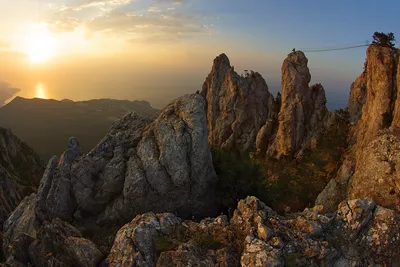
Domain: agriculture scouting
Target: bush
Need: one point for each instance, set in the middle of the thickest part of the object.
(206, 241)
(239, 177)
(384, 39)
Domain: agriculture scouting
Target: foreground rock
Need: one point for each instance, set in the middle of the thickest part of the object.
(369, 167)
(20, 172)
(359, 233)
(237, 106)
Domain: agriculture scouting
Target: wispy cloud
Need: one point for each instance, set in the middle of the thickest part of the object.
(155, 26)
(6, 92)
(156, 23)
(175, 2)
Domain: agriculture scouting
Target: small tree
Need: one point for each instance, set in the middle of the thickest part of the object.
(383, 39)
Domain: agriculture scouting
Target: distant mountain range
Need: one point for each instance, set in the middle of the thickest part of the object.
(47, 124)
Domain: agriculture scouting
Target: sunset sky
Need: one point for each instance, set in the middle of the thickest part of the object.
(158, 50)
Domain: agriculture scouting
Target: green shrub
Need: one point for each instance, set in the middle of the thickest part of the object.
(206, 241)
(163, 243)
(239, 177)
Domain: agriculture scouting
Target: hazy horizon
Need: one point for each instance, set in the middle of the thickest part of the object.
(159, 50)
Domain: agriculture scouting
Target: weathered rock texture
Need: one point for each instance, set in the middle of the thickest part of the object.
(237, 106)
(359, 233)
(369, 168)
(302, 110)
(139, 166)
(20, 172)
(243, 115)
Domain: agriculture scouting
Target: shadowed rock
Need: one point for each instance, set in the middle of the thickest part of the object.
(140, 166)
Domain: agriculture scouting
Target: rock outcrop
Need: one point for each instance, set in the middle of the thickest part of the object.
(140, 166)
(20, 172)
(369, 167)
(257, 236)
(359, 233)
(302, 111)
(163, 165)
(242, 114)
(237, 106)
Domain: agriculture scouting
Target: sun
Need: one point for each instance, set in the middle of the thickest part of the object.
(40, 45)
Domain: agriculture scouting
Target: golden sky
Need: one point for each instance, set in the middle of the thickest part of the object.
(157, 50)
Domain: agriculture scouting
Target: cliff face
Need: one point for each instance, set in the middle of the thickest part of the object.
(20, 172)
(369, 168)
(302, 111)
(243, 115)
(237, 107)
(381, 109)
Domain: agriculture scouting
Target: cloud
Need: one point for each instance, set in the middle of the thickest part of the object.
(156, 23)
(175, 2)
(154, 26)
(93, 3)
(6, 92)
(154, 9)
(64, 24)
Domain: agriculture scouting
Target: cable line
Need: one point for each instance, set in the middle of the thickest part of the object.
(335, 46)
(325, 49)
(333, 49)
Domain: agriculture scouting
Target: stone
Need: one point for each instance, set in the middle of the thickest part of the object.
(20, 172)
(237, 107)
(21, 223)
(141, 165)
(302, 110)
(60, 242)
(369, 166)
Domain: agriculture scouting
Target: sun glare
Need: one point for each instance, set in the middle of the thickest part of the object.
(40, 91)
(40, 44)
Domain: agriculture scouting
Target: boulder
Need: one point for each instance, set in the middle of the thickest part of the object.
(19, 225)
(59, 242)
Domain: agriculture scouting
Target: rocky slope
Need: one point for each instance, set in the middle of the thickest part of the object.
(243, 115)
(20, 172)
(359, 233)
(369, 167)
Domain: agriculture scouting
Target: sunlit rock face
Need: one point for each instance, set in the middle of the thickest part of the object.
(243, 115)
(302, 110)
(237, 106)
(369, 168)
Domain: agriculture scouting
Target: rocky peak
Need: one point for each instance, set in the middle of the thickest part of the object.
(237, 106)
(140, 166)
(378, 88)
(369, 167)
(302, 109)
